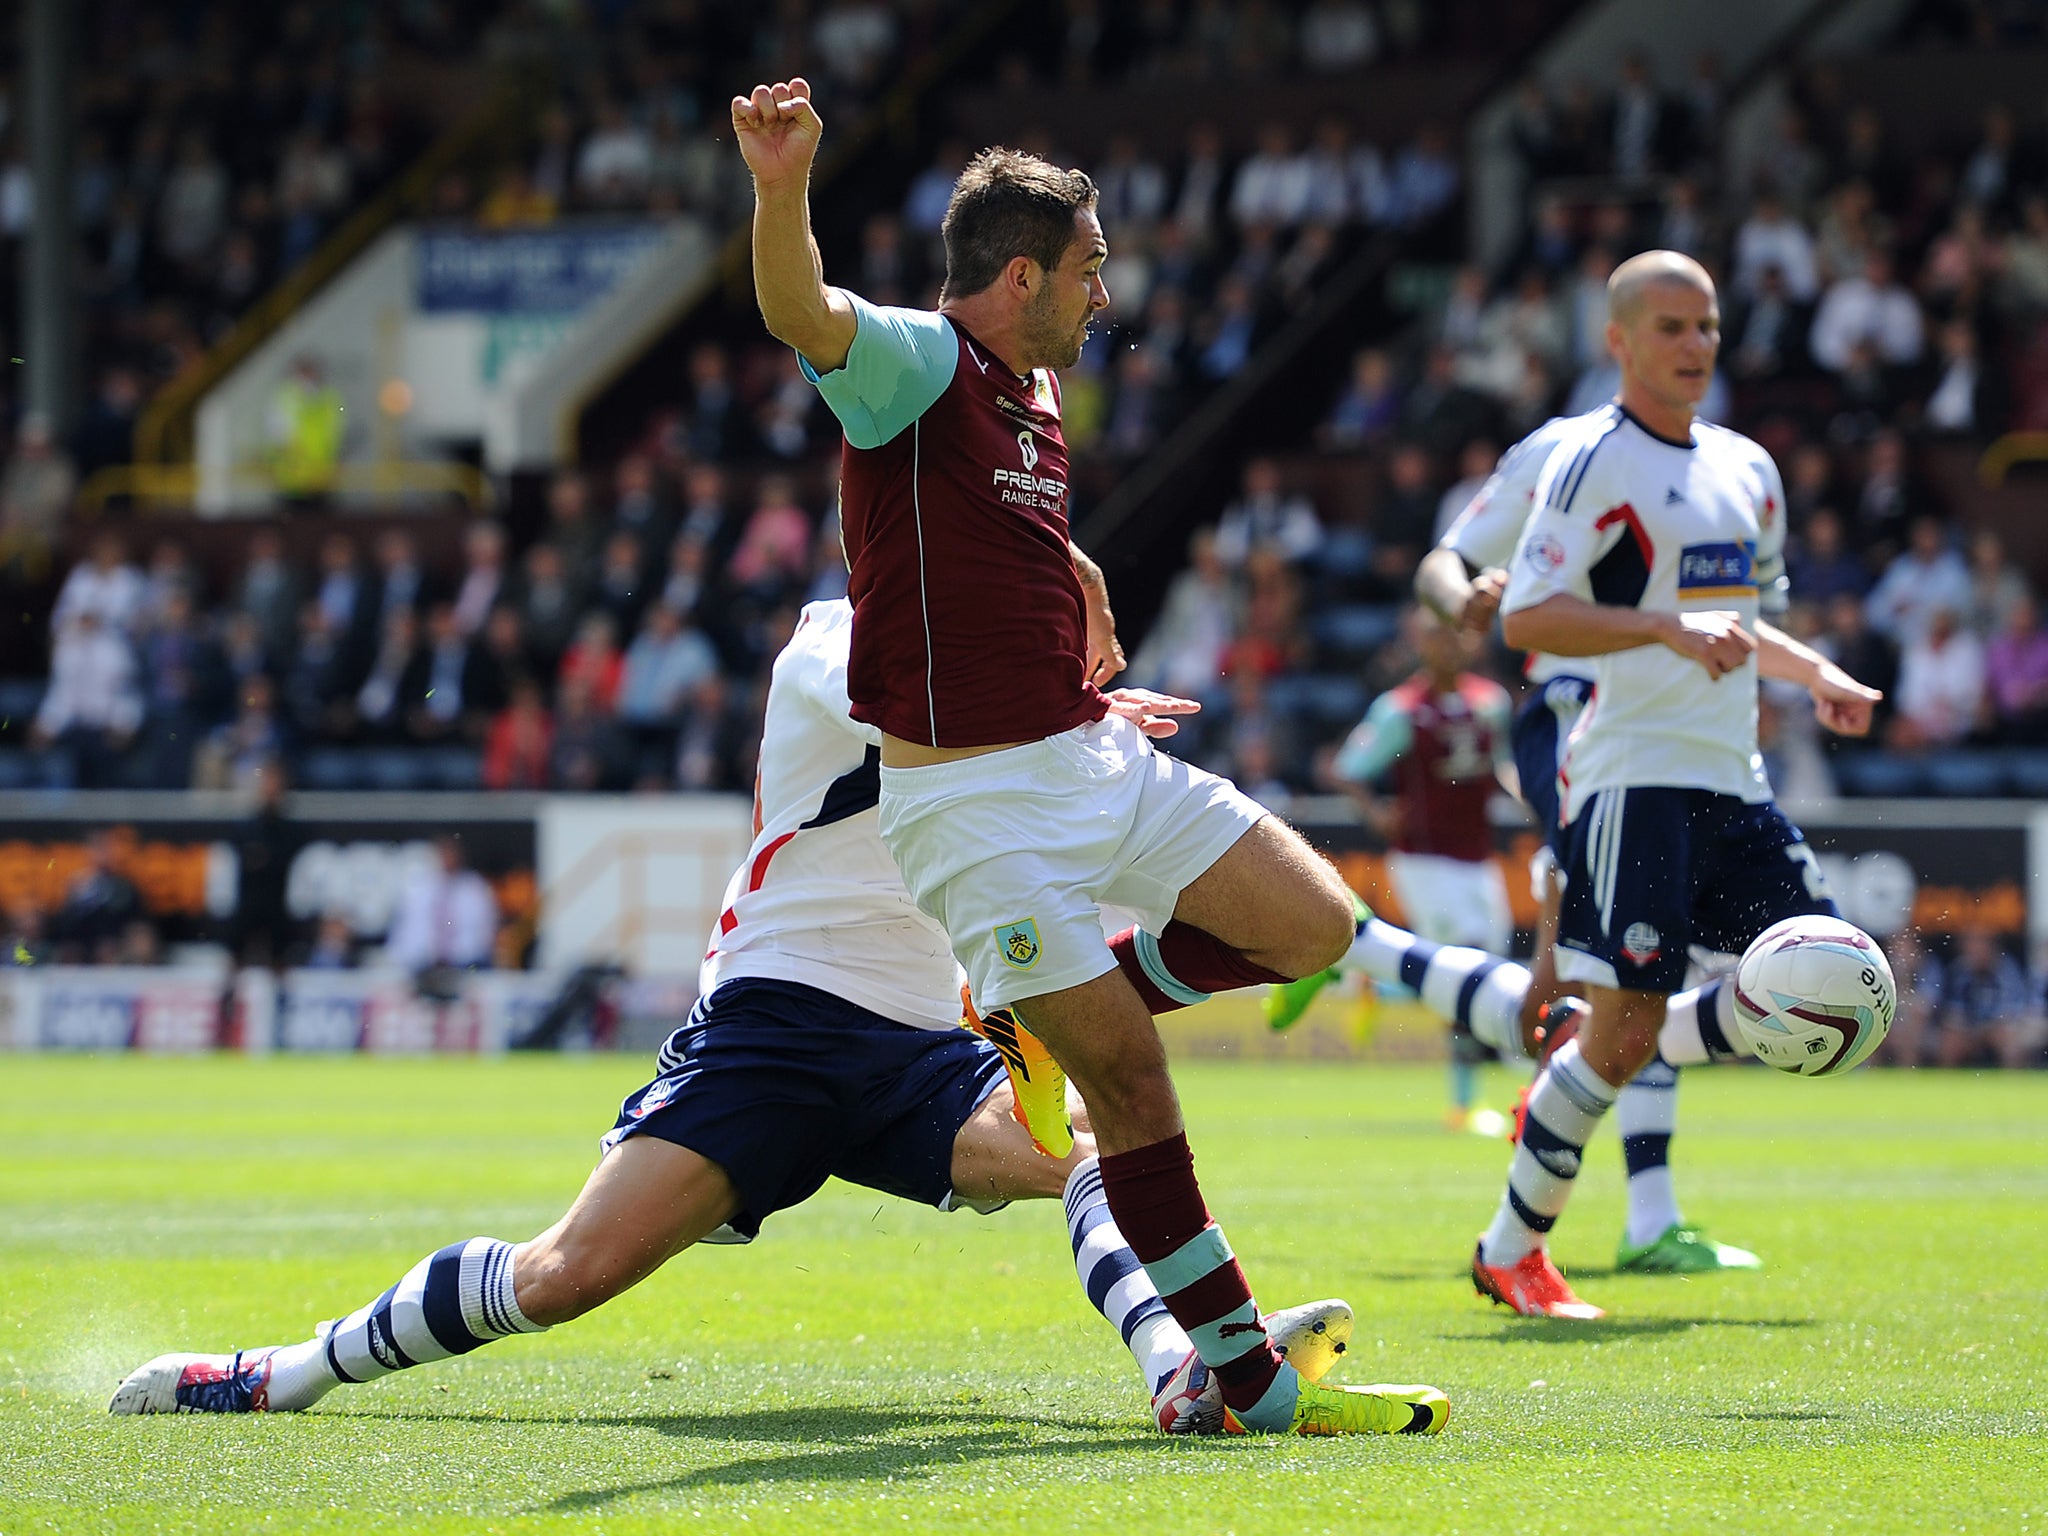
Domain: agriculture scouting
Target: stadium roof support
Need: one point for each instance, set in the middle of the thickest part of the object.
(48, 300)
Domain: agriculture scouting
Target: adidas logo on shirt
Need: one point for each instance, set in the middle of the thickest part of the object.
(1673, 497)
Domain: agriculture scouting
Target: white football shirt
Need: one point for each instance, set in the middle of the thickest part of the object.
(1486, 532)
(819, 900)
(1628, 518)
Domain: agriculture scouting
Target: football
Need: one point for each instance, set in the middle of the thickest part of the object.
(1814, 996)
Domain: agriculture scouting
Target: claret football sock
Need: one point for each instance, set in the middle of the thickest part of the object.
(1184, 965)
(449, 1303)
(1565, 1105)
(1116, 1283)
(1158, 1206)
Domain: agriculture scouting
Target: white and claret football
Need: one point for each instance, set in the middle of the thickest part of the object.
(1814, 996)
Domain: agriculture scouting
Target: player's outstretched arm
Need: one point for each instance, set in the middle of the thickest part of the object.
(778, 132)
(1566, 625)
(1840, 703)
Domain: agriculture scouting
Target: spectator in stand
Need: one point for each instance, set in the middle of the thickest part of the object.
(99, 905)
(587, 751)
(237, 754)
(1475, 467)
(344, 595)
(1442, 414)
(451, 672)
(621, 588)
(269, 593)
(713, 431)
(1637, 117)
(1917, 975)
(1370, 407)
(2023, 286)
(1338, 35)
(1274, 182)
(395, 681)
(1889, 500)
(446, 916)
(639, 506)
(1183, 652)
(2016, 673)
(1929, 575)
(1199, 192)
(614, 164)
(1820, 566)
(182, 683)
(306, 426)
(774, 551)
(854, 40)
(594, 661)
(106, 585)
(514, 202)
(704, 505)
(1851, 644)
(1989, 1014)
(686, 588)
(1424, 181)
(170, 572)
(519, 748)
(1226, 335)
(1767, 333)
(400, 580)
(319, 679)
(1130, 187)
(1772, 237)
(549, 605)
(1941, 685)
(93, 706)
(924, 205)
(663, 666)
(1265, 516)
(35, 495)
(705, 746)
(572, 531)
(1997, 586)
(1963, 400)
(1404, 522)
(483, 579)
(1869, 306)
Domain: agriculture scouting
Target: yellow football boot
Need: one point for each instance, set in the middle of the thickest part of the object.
(1038, 1082)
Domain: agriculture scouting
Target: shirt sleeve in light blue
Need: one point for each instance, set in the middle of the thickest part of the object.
(900, 362)
(1375, 742)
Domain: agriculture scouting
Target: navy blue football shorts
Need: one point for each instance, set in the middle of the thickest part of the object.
(1537, 737)
(784, 1086)
(1652, 871)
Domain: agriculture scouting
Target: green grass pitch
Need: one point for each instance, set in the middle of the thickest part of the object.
(871, 1367)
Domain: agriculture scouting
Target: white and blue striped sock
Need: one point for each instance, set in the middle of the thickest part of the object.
(1699, 1027)
(1564, 1107)
(1116, 1283)
(1646, 1114)
(1482, 991)
(449, 1303)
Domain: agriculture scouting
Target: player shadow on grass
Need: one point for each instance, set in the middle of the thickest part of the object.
(1538, 1330)
(824, 1425)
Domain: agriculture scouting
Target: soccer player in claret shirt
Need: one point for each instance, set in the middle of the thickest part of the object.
(1655, 547)
(1443, 733)
(823, 1044)
(1016, 797)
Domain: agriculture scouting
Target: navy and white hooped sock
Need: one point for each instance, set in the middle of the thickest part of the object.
(1116, 1283)
(1646, 1114)
(1699, 1027)
(449, 1303)
(1564, 1107)
(1481, 991)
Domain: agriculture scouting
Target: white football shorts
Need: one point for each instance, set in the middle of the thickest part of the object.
(1013, 852)
(1453, 901)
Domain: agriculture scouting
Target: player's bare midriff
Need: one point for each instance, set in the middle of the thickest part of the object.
(898, 753)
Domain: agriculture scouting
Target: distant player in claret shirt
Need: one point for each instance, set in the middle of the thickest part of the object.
(1655, 547)
(1443, 734)
(1015, 796)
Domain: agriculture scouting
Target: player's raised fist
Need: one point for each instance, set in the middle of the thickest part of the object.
(778, 130)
